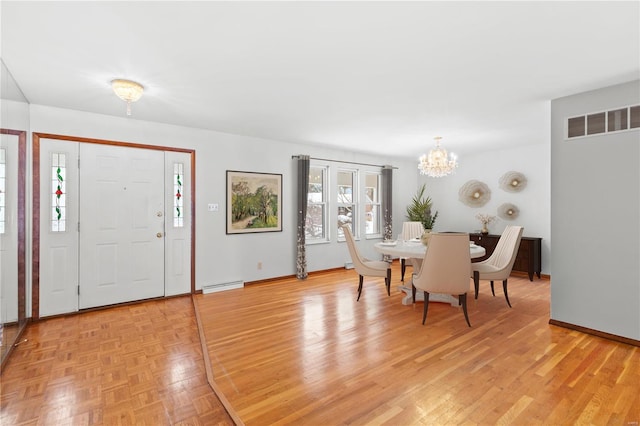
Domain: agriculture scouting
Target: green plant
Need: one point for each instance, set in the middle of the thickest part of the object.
(420, 209)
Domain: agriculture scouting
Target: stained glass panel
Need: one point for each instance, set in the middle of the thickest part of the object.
(178, 195)
(58, 192)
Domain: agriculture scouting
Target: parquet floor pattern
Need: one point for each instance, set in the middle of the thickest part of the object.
(306, 353)
(138, 364)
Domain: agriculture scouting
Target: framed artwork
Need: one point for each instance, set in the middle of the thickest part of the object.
(254, 202)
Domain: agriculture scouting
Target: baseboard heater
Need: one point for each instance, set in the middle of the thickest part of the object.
(212, 288)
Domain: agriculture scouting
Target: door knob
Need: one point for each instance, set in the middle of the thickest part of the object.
(159, 214)
(159, 235)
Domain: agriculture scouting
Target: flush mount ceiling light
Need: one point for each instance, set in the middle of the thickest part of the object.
(127, 90)
(438, 163)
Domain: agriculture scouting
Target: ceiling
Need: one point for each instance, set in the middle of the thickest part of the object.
(380, 77)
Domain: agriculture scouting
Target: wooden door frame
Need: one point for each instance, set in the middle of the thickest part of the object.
(21, 237)
(35, 240)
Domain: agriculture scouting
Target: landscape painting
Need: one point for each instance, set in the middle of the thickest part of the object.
(254, 202)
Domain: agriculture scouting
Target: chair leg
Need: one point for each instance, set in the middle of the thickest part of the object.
(360, 288)
(403, 268)
(388, 282)
(476, 281)
(462, 298)
(506, 295)
(413, 292)
(426, 307)
(492, 290)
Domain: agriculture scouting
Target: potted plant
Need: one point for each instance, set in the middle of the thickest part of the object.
(420, 211)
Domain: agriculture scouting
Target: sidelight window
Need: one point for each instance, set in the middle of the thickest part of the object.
(178, 195)
(58, 192)
(3, 186)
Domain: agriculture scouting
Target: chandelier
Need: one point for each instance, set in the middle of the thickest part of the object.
(438, 163)
(127, 90)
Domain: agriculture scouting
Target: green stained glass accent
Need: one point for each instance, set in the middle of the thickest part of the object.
(178, 169)
(58, 173)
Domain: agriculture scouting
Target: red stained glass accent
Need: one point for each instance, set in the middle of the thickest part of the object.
(58, 192)
(178, 195)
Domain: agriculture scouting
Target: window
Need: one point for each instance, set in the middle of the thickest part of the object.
(3, 186)
(347, 200)
(316, 221)
(58, 192)
(178, 203)
(373, 210)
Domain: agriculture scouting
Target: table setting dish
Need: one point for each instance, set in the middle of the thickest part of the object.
(414, 241)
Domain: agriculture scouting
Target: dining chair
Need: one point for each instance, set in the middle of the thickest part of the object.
(365, 267)
(410, 230)
(499, 264)
(445, 270)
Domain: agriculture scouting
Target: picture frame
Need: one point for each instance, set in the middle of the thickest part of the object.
(254, 202)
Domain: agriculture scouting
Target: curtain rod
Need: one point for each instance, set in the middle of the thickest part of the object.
(346, 162)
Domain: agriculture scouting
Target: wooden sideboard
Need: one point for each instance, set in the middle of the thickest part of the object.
(528, 259)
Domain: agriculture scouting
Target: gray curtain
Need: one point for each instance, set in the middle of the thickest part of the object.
(303, 189)
(387, 203)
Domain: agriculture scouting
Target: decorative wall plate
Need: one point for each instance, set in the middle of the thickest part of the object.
(508, 211)
(474, 193)
(513, 181)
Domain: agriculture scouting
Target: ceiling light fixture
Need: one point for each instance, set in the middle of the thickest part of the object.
(127, 90)
(438, 163)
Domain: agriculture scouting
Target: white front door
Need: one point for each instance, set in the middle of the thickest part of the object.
(122, 220)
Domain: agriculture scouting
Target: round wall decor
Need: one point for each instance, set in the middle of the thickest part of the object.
(508, 211)
(513, 181)
(474, 193)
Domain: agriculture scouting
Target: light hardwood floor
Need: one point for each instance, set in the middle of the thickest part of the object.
(138, 364)
(306, 353)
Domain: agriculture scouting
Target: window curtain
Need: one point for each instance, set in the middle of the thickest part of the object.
(387, 204)
(303, 189)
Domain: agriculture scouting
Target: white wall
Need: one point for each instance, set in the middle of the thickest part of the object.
(533, 201)
(595, 218)
(221, 257)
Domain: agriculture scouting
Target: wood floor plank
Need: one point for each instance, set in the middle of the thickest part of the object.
(135, 364)
(305, 352)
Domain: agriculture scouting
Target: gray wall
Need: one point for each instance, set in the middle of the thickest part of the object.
(595, 218)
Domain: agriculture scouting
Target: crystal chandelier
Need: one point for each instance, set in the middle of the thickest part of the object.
(438, 163)
(127, 90)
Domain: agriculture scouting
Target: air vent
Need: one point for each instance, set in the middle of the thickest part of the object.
(615, 120)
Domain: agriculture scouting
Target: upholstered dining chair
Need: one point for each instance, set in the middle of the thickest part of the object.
(410, 230)
(365, 267)
(498, 266)
(445, 269)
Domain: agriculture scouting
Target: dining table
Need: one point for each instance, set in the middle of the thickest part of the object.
(414, 250)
